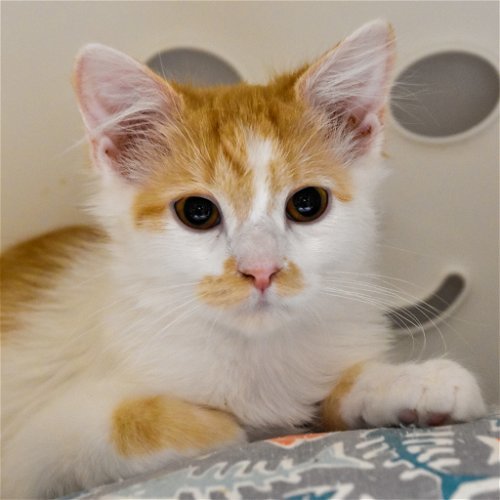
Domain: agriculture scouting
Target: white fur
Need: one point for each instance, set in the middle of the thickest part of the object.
(438, 386)
(260, 155)
(125, 321)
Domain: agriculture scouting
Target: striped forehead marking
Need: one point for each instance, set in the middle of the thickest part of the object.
(247, 144)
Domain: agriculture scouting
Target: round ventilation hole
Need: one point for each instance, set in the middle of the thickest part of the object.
(193, 66)
(445, 94)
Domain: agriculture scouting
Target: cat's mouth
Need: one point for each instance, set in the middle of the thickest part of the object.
(260, 314)
(261, 303)
(243, 308)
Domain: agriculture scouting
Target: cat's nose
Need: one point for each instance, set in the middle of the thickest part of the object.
(261, 275)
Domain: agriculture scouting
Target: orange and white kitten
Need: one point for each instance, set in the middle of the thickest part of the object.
(214, 301)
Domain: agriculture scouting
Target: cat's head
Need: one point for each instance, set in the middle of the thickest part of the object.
(237, 202)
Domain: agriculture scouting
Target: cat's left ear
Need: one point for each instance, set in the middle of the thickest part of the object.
(347, 89)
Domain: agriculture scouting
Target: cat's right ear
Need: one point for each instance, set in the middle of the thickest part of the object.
(128, 111)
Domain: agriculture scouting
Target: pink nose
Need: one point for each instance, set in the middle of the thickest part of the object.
(262, 275)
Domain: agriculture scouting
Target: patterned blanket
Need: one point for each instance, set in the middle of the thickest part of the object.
(458, 461)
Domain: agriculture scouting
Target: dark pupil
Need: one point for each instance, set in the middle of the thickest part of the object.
(307, 202)
(198, 210)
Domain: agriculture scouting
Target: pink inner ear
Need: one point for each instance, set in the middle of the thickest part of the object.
(361, 134)
(108, 148)
(368, 126)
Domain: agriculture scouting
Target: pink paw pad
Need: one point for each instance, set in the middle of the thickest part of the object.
(435, 419)
(410, 417)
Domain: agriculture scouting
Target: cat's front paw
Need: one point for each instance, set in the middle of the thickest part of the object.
(431, 393)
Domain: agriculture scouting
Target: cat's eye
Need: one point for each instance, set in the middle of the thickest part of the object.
(307, 204)
(197, 212)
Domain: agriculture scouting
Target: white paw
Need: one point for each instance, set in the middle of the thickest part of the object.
(430, 393)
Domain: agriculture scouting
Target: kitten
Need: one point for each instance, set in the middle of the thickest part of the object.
(215, 300)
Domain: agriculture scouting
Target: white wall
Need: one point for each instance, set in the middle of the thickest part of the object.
(441, 201)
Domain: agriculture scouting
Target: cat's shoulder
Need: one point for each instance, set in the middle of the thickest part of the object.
(30, 267)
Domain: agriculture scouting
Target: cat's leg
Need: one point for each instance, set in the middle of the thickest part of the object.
(88, 439)
(378, 394)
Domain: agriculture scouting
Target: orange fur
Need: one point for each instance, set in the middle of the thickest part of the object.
(31, 267)
(228, 289)
(289, 280)
(148, 425)
(207, 153)
(331, 418)
(236, 182)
